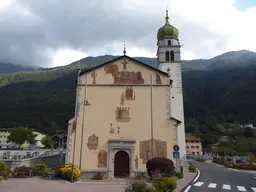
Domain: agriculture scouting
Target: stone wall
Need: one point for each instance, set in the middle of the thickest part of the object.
(52, 161)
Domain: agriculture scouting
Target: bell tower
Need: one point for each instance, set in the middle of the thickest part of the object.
(169, 60)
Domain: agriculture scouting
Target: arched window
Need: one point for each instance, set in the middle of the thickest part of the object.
(167, 56)
(172, 55)
(169, 42)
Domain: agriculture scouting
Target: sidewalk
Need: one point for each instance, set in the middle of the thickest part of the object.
(188, 177)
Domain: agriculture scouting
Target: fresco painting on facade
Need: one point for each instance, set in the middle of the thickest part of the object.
(93, 141)
(160, 149)
(102, 159)
(123, 114)
(122, 99)
(124, 77)
(129, 93)
(158, 79)
(93, 76)
(124, 62)
(111, 130)
(111, 69)
(145, 151)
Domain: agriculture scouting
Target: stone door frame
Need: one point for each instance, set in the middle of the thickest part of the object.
(120, 145)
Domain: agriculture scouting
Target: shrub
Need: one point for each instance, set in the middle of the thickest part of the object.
(98, 176)
(40, 169)
(138, 186)
(2, 166)
(165, 184)
(192, 168)
(65, 172)
(140, 176)
(218, 161)
(160, 165)
(239, 161)
(200, 159)
(179, 175)
(1, 177)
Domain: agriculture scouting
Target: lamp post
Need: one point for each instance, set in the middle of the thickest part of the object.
(74, 142)
(151, 117)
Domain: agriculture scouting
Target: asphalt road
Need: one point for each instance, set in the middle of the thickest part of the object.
(216, 178)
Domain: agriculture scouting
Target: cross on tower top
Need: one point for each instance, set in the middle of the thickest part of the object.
(124, 49)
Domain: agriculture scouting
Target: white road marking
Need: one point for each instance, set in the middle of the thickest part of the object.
(188, 188)
(198, 174)
(227, 187)
(199, 184)
(241, 188)
(254, 189)
(212, 185)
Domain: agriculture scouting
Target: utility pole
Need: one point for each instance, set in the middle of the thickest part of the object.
(151, 115)
(82, 134)
(75, 121)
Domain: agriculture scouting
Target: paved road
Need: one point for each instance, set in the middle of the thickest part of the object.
(216, 178)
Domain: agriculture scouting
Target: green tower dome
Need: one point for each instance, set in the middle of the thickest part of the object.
(167, 30)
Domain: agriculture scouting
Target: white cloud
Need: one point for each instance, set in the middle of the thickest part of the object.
(95, 27)
(207, 27)
(66, 56)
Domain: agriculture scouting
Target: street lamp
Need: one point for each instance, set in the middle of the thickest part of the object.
(86, 103)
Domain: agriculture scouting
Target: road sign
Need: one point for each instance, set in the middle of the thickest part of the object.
(176, 154)
(176, 148)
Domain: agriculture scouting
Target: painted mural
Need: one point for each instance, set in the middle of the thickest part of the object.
(158, 79)
(123, 114)
(102, 159)
(146, 149)
(93, 141)
(129, 93)
(124, 77)
(93, 76)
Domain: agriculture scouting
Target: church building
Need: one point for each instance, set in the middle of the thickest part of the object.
(128, 112)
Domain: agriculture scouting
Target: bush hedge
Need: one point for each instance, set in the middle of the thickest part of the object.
(40, 169)
(160, 165)
(65, 172)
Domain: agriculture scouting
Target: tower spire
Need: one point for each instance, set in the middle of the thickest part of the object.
(124, 49)
(167, 18)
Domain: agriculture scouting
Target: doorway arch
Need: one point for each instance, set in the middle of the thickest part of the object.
(121, 164)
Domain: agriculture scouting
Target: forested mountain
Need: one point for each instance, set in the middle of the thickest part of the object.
(10, 68)
(44, 99)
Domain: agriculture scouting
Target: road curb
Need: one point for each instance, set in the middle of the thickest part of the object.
(243, 172)
(188, 186)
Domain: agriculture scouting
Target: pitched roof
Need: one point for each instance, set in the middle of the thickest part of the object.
(123, 56)
(60, 136)
(192, 138)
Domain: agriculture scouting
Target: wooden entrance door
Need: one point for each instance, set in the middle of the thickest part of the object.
(121, 164)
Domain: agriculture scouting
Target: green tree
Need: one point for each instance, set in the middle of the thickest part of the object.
(248, 132)
(222, 151)
(47, 141)
(20, 135)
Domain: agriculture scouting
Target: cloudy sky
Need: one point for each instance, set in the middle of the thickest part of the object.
(56, 32)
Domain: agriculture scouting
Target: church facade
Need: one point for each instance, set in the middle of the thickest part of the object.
(123, 117)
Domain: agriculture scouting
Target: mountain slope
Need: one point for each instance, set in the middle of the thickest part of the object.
(224, 93)
(10, 68)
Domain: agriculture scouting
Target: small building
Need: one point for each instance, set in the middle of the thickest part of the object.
(4, 133)
(193, 145)
(38, 139)
(59, 141)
